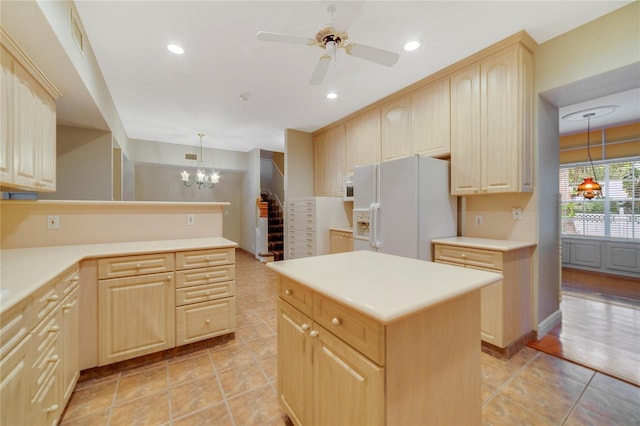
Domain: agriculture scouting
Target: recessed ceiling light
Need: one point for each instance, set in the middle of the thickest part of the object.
(411, 46)
(174, 48)
(332, 95)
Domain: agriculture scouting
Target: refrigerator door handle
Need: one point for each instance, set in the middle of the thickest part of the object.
(372, 224)
(375, 213)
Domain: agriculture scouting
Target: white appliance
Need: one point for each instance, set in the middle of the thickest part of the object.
(347, 188)
(400, 205)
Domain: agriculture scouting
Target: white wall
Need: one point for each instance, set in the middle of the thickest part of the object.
(250, 193)
(128, 179)
(84, 165)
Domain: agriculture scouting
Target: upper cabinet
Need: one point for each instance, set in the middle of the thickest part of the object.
(396, 129)
(28, 145)
(363, 140)
(431, 120)
(329, 161)
(491, 140)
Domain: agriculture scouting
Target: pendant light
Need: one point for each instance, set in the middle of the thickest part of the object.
(201, 178)
(589, 188)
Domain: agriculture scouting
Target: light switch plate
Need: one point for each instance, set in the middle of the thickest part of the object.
(53, 222)
(516, 213)
(191, 220)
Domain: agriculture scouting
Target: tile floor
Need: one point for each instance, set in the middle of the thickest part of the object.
(234, 381)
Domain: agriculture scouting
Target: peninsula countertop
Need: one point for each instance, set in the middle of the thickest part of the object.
(24, 270)
(383, 286)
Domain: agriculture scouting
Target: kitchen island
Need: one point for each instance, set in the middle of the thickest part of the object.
(370, 338)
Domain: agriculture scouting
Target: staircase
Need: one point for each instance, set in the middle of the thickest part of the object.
(275, 232)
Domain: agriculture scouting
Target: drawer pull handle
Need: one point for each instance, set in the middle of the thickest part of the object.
(54, 329)
(54, 358)
(463, 256)
(53, 408)
(336, 321)
(314, 333)
(207, 321)
(208, 276)
(67, 306)
(138, 266)
(288, 292)
(53, 298)
(305, 327)
(75, 278)
(169, 277)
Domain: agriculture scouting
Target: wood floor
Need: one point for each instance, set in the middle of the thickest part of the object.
(600, 326)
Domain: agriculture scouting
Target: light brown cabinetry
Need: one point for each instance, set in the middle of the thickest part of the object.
(205, 294)
(363, 140)
(505, 314)
(341, 241)
(136, 313)
(491, 139)
(28, 145)
(396, 129)
(329, 161)
(431, 120)
(337, 366)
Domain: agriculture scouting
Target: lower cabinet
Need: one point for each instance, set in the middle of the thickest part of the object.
(347, 388)
(135, 316)
(70, 320)
(15, 371)
(341, 241)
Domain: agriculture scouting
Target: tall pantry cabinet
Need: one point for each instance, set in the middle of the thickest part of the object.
(28, 122)
(491, 135)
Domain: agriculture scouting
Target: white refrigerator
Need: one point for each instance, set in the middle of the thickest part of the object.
(400, 205)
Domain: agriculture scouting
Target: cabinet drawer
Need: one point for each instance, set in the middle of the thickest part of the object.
(46, 299)
(69, 279)
(363, 333)
(295, 294)
(127, 266)
(205, 320)
(14, 326)
(204, 258)
(203, 293)
(191, 277)
(469, 256)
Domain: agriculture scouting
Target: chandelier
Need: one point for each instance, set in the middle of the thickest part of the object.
(589, 188)
(200, 178)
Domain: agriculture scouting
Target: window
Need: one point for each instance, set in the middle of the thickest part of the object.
(615, 214)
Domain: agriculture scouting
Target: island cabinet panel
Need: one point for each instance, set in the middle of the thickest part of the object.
(339, 366)
(431, 120)
(491, 131)
(396, 129)
(363, 140)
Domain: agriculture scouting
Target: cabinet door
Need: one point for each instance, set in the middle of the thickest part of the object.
(431, 120)
(14, 385)
(348, 389)
(341, 242)
(136, 316)
(25, 130)
(70, 338)
(492, 312)
(46, 139)
(6, 116)
(363, 140)
(294, 363)
(501, 121)
(396, 129)
(329, 161)
(465, 131)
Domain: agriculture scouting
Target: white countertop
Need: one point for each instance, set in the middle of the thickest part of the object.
(383, 286)
(22, 271)
(341, 229)
(484, 243)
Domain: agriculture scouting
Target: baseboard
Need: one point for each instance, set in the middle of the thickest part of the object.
(511, 349)
(548, 324)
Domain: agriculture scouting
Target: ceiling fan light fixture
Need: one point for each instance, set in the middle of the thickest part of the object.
(175, 49)
(410, 46)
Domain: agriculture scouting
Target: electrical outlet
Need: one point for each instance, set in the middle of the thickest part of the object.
(53, 222)
(478, 220)
(191, 219)
(516, 213)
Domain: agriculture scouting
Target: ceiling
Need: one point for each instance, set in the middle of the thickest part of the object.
(167, 98)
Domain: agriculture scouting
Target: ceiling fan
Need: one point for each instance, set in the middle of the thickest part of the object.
(331, 40)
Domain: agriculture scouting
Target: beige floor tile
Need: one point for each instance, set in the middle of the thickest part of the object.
(597, 407)
(523, 356)
(501, 411)
(90, 399)
(495, 372)
(547, 367)
(251, 332)
(618, 388)
(215, 415)
(269, 365)
(231, 357)
(97, 418)
(195, 395)
(143, 383)
(190, 368)
(256, 407)
(150, 410)
(241, 379)
(264, 346)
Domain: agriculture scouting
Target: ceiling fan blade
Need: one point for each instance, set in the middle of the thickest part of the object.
(284, 38)
(383, 57)
(321, 70)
